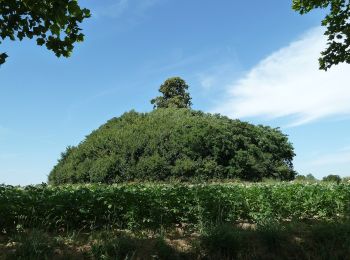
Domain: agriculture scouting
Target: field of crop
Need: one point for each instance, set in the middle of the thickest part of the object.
(163, 206)
(176, 221)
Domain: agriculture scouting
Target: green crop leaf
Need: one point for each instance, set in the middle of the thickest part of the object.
(154, 206)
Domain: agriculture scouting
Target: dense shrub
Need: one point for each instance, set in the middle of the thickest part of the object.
(309, 178)
(346, 179)
(170, 143)
(332, 178)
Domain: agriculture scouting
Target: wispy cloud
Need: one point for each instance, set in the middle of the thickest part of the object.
(176, 59)
(118, 8)
(115, 9)
(340, 157)
(216, 76)
(289, 84)
(323, 163)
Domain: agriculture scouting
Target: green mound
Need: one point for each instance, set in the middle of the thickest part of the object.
(176, 143)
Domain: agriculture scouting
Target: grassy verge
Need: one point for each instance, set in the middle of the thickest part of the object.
(269, 240)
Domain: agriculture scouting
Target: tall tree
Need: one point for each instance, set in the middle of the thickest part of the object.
(337, 22)
(175, 94)
(53, 23)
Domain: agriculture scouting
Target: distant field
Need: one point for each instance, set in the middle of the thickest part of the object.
(161, 206)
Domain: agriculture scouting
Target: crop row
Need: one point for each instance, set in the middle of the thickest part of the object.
(153, 206)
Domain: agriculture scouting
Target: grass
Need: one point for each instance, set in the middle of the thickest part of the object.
(291, 240)
(320, 240)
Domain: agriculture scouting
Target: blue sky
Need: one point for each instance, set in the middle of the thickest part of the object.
(253, 60)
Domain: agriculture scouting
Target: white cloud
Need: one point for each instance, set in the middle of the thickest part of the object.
(288, 83)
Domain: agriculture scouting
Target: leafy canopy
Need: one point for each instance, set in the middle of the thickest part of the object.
(174, 94)
(176, 143)
(337, 22)
(54, 23)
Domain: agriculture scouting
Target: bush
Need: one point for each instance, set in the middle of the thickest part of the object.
(332, 178)
(170, 143)
(346, 179)
(308, 178)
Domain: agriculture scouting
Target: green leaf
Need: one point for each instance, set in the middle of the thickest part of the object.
(3, 57)
(40, 41)
(55, 29)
